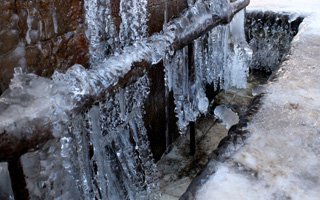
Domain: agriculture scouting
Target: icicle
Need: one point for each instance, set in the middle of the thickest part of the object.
(94, 31)
(101, 30)
(134, 18)
(221, 58)
(125, 168)
(50, 173)
(189, 98)
(5, 182)
(215, 55)
(238, 55)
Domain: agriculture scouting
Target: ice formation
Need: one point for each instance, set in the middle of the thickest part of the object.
(101, 30)
(280, 159)
(270, 36)
(226, 115)
(103, 36)
(222, 59)
(5, 187)
(134, 16)
(103, 152)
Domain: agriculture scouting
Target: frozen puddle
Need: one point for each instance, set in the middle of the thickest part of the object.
(281, 157)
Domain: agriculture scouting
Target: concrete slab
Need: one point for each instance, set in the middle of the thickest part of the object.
(281, 158)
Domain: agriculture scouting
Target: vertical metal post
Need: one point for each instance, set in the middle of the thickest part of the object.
(192, 138)
(192, 79)
(18, 182)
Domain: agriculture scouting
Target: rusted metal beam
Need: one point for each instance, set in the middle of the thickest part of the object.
(25, 132)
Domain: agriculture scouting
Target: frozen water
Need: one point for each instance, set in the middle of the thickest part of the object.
(226, 115)
(101, 30)
(5, 183)
(104, 154)
(270, 35)
(105, 151)
(308, 8)
(238, 54)
(189, 97)
(222, 59)
(134, 16)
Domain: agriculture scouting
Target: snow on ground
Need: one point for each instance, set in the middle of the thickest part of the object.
(281, 159)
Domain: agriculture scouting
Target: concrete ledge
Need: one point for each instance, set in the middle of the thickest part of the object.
(280, 158)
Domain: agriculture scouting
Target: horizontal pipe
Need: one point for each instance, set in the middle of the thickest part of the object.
(47, 103)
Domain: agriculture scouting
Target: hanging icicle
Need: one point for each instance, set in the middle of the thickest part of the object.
(221, 58)
(101, 30)
(134, 17)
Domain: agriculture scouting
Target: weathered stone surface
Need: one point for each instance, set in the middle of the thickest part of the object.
(161, 10)
(9, 27)
(41, 36)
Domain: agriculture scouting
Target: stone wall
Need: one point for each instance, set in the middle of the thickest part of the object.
(40, 36)
(161, 9)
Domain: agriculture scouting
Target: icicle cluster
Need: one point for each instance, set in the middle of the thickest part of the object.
(101, 30)
(189, 96)
(104, 154)
(134, 16)
(5, 183)
(221, 59)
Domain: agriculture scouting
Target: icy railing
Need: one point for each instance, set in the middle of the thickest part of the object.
(103, 151)
(103, 154)
(36, 109)
(47, 103)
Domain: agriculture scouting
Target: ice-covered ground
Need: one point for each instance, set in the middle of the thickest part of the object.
(281, 158)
